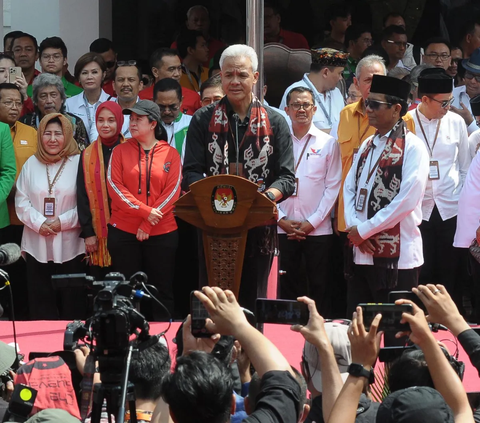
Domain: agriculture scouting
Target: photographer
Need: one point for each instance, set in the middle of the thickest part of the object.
(200, 388)
(407, 405)
(7, 359)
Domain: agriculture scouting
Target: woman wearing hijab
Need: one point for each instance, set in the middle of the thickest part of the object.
(144, 182)
(92, 196)
(46, 202)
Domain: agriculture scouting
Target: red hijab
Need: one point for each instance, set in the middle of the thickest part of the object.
(117, 111)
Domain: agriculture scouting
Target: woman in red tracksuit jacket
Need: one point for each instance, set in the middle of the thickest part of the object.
(144, 178)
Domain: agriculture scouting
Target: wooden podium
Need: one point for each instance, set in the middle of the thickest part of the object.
(225, 207)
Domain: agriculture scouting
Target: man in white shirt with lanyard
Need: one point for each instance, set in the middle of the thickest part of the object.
(325, 73)
(304, 224)
(463, 94)
(383, 195)
(167, 93)
(445, 135)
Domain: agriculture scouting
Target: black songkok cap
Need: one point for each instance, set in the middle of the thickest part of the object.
(329, 57)
(390, 86)
(435, 81)
(475, 105)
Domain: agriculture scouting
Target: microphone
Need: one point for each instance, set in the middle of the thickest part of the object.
(237, 148)
(9, 253)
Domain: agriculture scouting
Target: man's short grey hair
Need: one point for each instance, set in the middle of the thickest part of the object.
(371, 60)
(47, 80)
(196, 7)
(417, 70)
(240, 50)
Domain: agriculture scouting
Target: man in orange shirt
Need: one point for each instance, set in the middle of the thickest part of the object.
(165, 63)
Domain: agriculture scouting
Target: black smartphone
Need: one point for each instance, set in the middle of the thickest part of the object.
(283, 312)
(389, 354)
(391, 316)
(199, 315)
(406, 295)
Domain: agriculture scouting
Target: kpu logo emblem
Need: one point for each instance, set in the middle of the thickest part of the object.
(224, 199)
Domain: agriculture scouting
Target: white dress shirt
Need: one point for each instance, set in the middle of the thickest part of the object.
(79, 106)
(453, 156)
(319, 174)
(405, 208)
(32, 189)
(461, 96)
(332, 102)
(468, 218)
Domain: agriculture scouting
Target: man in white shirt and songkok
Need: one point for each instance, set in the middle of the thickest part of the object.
(304, 225)
(383, 195)
(444, 133)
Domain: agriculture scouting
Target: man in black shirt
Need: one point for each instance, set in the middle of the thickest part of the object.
(238, 135)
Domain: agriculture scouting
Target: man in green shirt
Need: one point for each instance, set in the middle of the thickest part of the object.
(357, 39)
(53, 57)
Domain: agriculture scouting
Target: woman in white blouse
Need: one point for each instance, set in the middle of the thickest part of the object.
(90, 71)
(46, 202)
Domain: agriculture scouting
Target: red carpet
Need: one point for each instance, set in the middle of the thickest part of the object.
(47, 336)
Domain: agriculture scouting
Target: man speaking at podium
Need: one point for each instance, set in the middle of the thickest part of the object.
(240, 136)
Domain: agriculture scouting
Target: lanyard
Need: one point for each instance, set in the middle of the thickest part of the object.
(301, 154)
(371, 169)
(57, 176)
(319, 100)
(197, 79)
(424, 136)
(87, 109)
(173, 135)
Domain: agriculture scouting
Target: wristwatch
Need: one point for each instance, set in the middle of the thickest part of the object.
(270, 195)
(357, 370)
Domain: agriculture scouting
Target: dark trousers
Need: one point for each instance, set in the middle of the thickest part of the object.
(48, 303)
(474, 266)
(441, 258)
(316, 252)
(18, 276)
(256, 267)
(154, 256)
(364, 286)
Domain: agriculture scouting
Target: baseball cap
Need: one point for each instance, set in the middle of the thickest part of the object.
(337, 334)
(144, 108)
(7, 356)
(417, 404)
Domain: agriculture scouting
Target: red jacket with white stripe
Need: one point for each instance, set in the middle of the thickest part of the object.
(138, 182)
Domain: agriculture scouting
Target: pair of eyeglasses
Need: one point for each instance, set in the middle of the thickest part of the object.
(434, 56)
(445, 103)
(209, 100)
(401, 44)
(298, 106)
(470, 75)
(171, 107)
(110, 64)
(54, 57)
(126, 63)
(10, 104)
(375, 104)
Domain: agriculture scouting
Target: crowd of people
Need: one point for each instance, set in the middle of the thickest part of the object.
(371, 158)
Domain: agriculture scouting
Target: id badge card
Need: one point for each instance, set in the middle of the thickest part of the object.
(295, 190)
(49, 207)
(434, 170)
(355, 152)
(362, 199)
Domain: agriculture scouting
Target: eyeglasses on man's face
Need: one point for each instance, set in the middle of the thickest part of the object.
(298, 106)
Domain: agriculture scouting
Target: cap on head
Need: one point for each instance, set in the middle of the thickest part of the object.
(435, 81)
(415, 405)
(337, 334)
(390, 86)
(145, 108)
(472, 64)
(329, 57)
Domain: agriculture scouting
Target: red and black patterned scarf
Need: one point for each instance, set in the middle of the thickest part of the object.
(386, 186)
(255, 149)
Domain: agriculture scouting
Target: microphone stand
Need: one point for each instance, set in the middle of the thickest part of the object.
(235, 116)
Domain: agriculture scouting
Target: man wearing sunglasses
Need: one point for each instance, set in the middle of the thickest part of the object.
(471, 89)
(383, 195)
(394, 42)
(445, 135)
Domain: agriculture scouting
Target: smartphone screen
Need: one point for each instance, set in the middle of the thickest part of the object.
(283, 312)
(199, 315)
(406, 295)
(391, 316)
